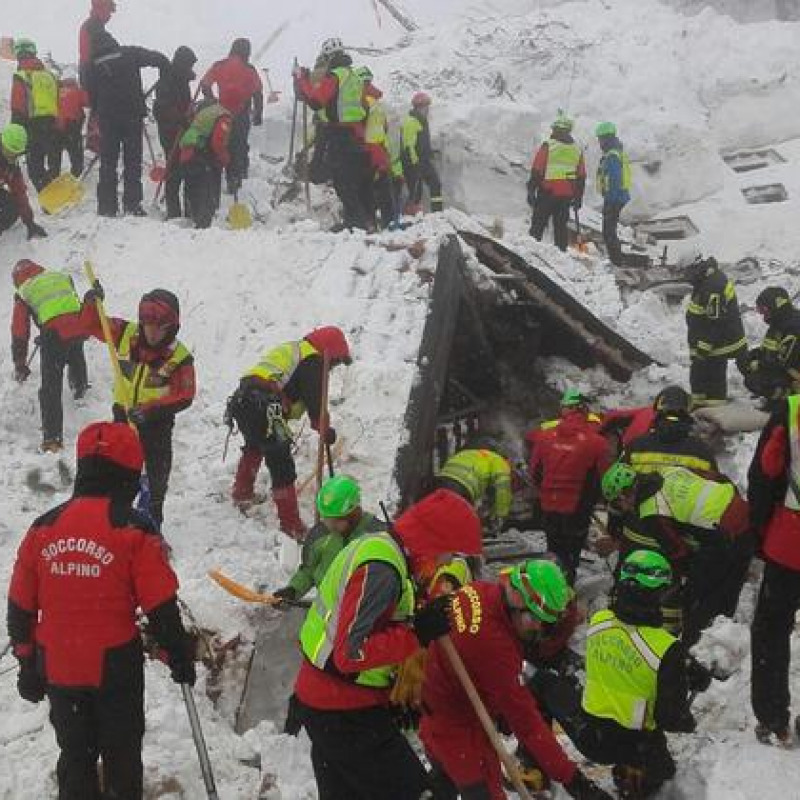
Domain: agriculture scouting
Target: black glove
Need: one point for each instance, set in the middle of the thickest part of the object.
(95, 293)
(137, 415)
(181, 663)
(287, 594)
(35, 231)
(532, 191)
(698, 677)
(330, 435)
(295, 716)
(581, 788)
(405, 717)
(30, 684)
(433, 621)
(21, 373)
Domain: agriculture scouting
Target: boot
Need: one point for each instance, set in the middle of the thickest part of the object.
(288, 513)
(246, 472)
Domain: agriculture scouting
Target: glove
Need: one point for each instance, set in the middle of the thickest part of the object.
(35, 231)
(407, 718)
(295, 715)
(698, 677)
(258, 120)
(137, 415)
(532, 189)
(433, 621)
(577, 203)
(29, 682)
(181, 663)
(287, 594)
(300, 72)
(330, 435)
(21, 373)
(95, 293)
(581, 788)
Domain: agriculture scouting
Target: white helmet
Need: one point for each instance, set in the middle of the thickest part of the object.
(331, 46)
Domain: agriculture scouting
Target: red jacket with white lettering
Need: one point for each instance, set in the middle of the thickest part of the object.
(82, 571)
(492, 653)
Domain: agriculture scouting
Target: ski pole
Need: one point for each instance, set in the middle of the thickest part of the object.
(305, 158)
(512, 770)
(32, 355)
(329, 456)
(199, 742)
(323, 422)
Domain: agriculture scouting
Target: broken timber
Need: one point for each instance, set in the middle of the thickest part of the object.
(573, 331)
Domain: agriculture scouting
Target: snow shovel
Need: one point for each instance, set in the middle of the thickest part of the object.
(199, 742)
(239, 216)
(157, 171)
(273, 96)
(64, 191)
(580, 244)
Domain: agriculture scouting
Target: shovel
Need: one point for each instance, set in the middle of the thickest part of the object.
(239, 216)
(157, 171)
(273, 96)
(65, 191)
(580, 244)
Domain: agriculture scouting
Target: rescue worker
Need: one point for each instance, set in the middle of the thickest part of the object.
(418, 167)
(670, 441)
(34, 105)
(492, 621)
(14, 203)
(636, 683)
(339, 98)
(204, 152)
(83, 653)
(714, 328)
(557, 182)
(240, 90)
(775, 513)
(573, 402)
(700, 525)
(72, 100)
(91, 31)
(361, 626)
(285, 384)
(119, 101)
(172, 109)
(341, 519)
(613, 185)
(158, 381)
(566, 465)
(772, 370)
(49, 299)
(482, 477)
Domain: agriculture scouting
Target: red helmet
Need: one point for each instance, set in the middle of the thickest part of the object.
(330, 340)
(113, 441)
(24, 270)
(421, 100)
(161, 307)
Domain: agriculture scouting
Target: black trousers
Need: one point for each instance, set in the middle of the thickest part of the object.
(239, 147)
(420, 175)
(71, 140)
(601, 740)
(385, 199)
(610, 222)
(107, 723)
(362, 755)
(349, 166)
(54, 355)
(120, 136)
(42, 152)
(168, 134)
(708, 378)
(773, 623)
(566, 537)
(203, 186)
(548, 207)
(156, 438)
(8, 211)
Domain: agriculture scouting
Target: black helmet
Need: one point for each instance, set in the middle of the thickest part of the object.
(672, 400)
(772, 299)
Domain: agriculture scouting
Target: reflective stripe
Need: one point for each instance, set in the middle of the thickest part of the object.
(42, 92)
(655, 462)
(563, 159)
(792, 500)
(279, 364)
(49, 295)
(349, 98)
(412, 128)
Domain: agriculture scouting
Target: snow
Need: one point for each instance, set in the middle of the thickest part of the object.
(684, 90)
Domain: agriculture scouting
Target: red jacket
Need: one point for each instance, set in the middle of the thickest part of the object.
(631, 423)
(71, 103)
(365, 635)
(12, 181)
(236, 80)
(84, 568)
(492, 653)
(567, 461)
(217, 146)
(20, 90)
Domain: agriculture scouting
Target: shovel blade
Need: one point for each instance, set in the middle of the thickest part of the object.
(63, 192)
(158, 173)
(239, 217)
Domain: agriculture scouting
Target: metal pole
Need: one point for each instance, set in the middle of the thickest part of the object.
(199, 742)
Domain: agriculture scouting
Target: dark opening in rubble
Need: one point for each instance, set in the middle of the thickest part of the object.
(749, 160)
(769, 193)
(667, 228)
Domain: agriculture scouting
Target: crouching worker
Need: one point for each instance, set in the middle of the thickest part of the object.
(636, 683)
(82, 571)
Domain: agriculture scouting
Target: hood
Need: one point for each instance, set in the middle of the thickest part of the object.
(183, 60)
(610, 143)
(571, 421)
(241, 48)
(562, 136)
(442, 522)
(339, 60)
(30, 63)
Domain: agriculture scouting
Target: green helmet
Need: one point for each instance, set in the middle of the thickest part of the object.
(14, 139)
(617, 478)
(646, 568)
(605, 129)
(572, 398)
(543, 588)
(365, 73)
(563, 122)
(338, 497)
(24, 47)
